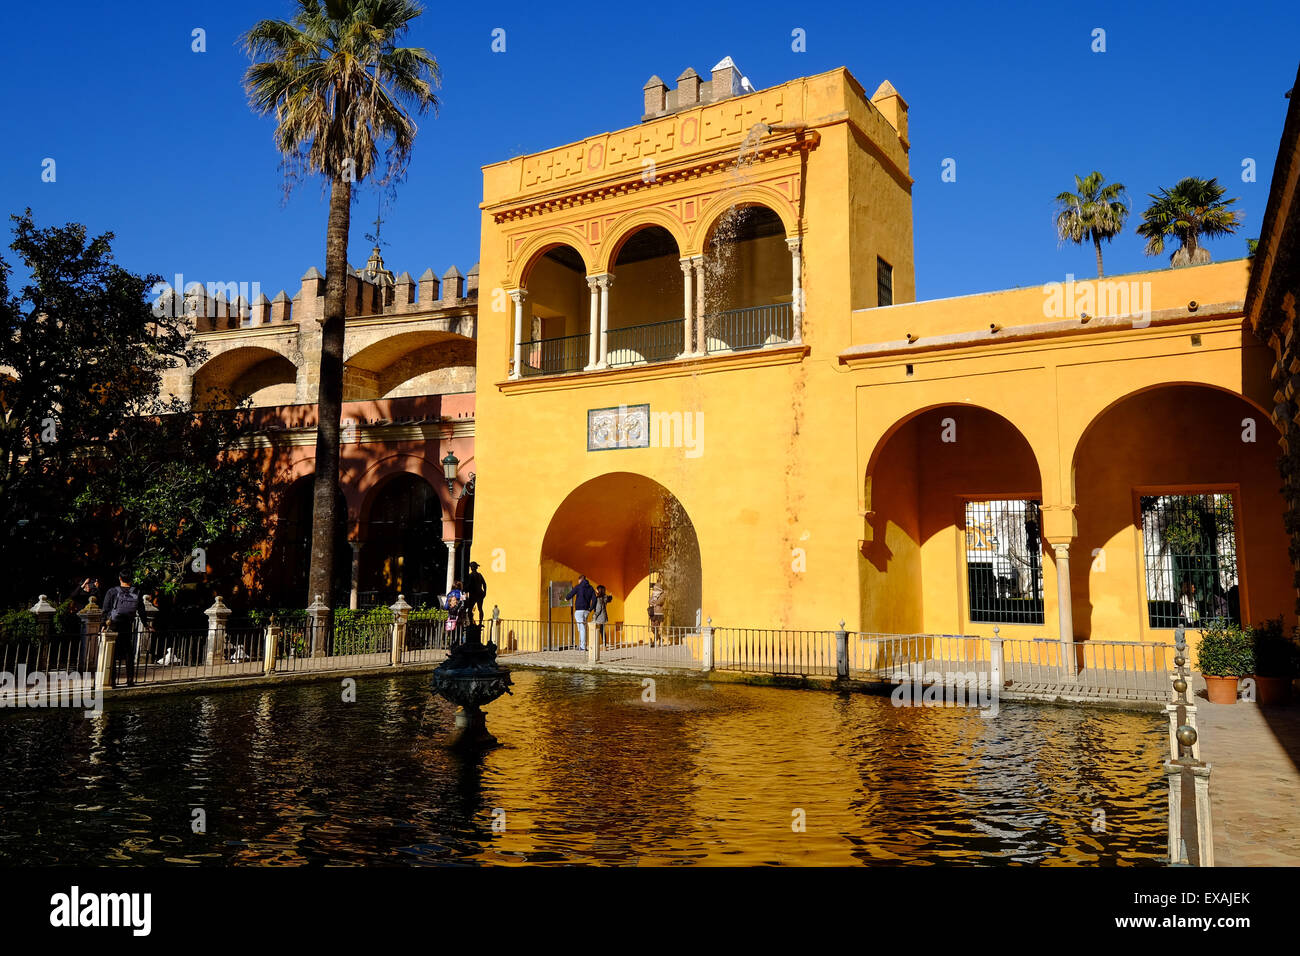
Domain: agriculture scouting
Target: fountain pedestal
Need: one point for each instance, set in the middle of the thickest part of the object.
(471, 678)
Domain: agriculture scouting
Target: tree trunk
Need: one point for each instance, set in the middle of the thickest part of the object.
(320, 578)
(1097, 243)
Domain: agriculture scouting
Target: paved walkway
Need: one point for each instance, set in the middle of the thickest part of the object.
(1254, 751)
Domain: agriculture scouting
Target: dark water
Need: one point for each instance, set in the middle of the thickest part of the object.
(590, 773)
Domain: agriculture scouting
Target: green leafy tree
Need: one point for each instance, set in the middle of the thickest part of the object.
(1192, 209)
(1095, 213)
(95, 468)
(339, 87)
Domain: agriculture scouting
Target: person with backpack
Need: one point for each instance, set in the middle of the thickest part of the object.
(123, 606)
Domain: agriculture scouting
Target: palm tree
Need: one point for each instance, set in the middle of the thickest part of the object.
(339, 87)
(1095, 212)
(1193, 208)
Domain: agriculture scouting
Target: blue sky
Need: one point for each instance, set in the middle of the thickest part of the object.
(156, 142)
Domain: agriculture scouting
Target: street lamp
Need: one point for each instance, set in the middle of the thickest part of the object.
(449, 466)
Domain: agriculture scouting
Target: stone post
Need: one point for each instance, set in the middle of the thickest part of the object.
(518, 296)
(90, 621)
(1177, 849)
(688, 304)
(107, 648)
(401, 613)
(841, 653)
(706, 647)
(317, 615)
(44, 612)
(1204, 821)
(217, 616)
(995, 661)
(795, 246)
(593, 322)
(271, 648)
(144, 631)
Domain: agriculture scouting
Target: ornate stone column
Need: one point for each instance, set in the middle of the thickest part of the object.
(593, 322)
(451, 564)
(688, 305)
(605, 282)
(795, 246)
(356, 573)
(518, 296)
(701, 342)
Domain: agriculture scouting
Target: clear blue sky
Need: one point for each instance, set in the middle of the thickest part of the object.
(157, 144)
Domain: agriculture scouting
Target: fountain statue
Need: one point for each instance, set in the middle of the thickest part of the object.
(471, 678)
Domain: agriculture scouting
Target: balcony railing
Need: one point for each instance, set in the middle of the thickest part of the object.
(733, 330)
(641, 344)
(557, 356)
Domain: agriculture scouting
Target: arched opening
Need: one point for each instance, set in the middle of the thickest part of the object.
(403, 552)
(954, 537)
(645, 321)
(262, 375)
(428, 362)
(464, 552)
(557, 314)
(747, 287)
(291, 550)
(629, 533)
(1178, 515)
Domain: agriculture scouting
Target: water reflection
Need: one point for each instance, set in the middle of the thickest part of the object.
(590, 772)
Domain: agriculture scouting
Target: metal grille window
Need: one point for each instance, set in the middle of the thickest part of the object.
(884, 282)
(1190, 551)
(1004, 561)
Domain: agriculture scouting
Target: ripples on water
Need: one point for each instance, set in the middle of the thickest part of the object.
(710, 773)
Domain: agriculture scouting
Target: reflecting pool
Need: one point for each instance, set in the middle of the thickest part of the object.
(590, 772)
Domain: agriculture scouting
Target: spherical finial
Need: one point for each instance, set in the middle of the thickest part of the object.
(1186, 735)
(1179, 661)
(1180, 685)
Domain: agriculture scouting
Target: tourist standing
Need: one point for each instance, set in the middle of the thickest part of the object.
(600, 612)
(658, 597)
(455, 607)
(475, 590)
(123, 606)
(584, 597)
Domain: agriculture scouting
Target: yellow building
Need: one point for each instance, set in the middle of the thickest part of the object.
(699, 364)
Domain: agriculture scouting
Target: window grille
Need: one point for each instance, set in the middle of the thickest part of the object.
(1190, 555)
(1004, 561)
(884, 282)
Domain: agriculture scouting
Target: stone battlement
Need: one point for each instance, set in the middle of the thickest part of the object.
(372, 291)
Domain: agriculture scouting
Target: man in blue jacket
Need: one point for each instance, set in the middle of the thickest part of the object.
(584, 599)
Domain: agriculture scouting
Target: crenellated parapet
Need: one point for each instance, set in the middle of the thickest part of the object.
(400, 334)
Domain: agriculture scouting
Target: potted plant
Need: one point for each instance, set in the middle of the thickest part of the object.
(1225, 655)
(1277, 662)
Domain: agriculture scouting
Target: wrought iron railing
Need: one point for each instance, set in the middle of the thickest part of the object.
(644, 344)
(734, 330)
(556, 356)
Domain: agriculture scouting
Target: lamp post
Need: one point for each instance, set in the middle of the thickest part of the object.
(449, 466)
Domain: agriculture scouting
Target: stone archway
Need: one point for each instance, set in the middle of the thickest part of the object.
(625, 531)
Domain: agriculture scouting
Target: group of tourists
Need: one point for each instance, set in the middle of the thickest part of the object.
(591, 606)
(462, 599)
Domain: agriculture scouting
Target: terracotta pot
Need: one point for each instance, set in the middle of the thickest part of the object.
(1221, 690)
(1272, 690)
